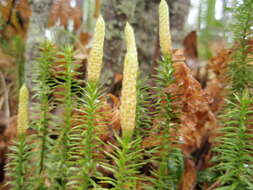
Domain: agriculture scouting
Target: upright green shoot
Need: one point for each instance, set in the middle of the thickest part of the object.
(234, 151)
(241, 72)
(85, 142)
(42, 125)
(127, 153)
(165, 154)
(61, 152)
(127, 156)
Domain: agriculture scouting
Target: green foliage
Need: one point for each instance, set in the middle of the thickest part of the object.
(166, 159)
(85, 144)
(143, 115)
(127, 157)
(68, 151)
(66, 74)
(43, 141)
(241, 72)
(165, 71)
(233, 154)
(18, 167)
(234, 151)
(176, 166)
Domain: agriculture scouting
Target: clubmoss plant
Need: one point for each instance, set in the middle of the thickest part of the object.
(68, 152)
(143, 115)
(85, 136)
(85, 139)
(167, 158)
(127, 157)
(127, 154)
(67, 97)
(233, 152)
(18, 168)
(44, 143)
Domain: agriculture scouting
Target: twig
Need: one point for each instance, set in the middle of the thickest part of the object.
(216, 184)
(6, 100)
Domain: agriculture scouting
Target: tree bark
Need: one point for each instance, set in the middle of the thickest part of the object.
(143, 15)
(116, 13)
(35, 36)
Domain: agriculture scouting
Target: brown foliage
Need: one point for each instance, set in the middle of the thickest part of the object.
(63, 12)
(218, 67)
(190, 50)
(15, 17)
(196, 116)
(216, 86)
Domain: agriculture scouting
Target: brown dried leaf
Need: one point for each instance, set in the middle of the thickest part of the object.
(196, 116)
(85, 38)
(63, 12)
(190, 174)
(190, 50)
(15, 17)
(216, 86)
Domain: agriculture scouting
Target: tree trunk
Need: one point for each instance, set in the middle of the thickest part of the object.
(35, 36)
(116, 13)
(143, 15)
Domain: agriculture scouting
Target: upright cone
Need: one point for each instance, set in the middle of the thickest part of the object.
(23, 110)
(128, 94)
(96, 55)
(164, 28)
(130, 39)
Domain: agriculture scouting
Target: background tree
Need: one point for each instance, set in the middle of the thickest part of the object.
(35, 36)
(143, 16)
